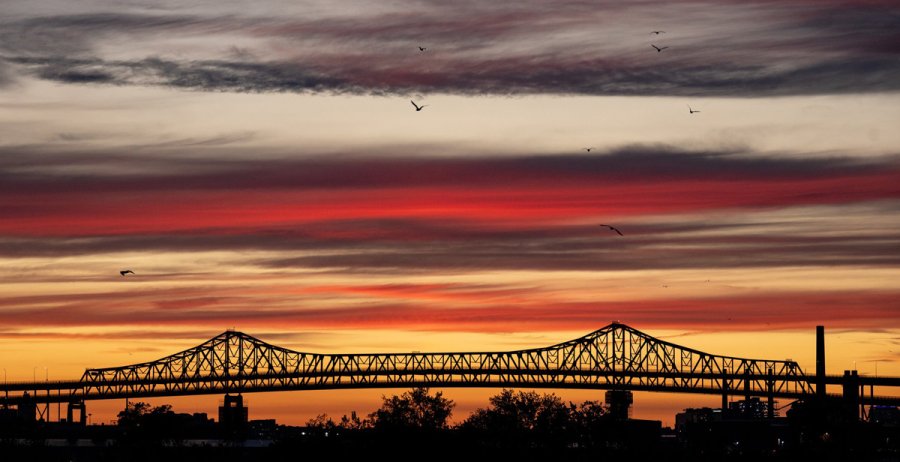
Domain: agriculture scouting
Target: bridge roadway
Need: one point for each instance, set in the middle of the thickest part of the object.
(70, 391)
(614, 357)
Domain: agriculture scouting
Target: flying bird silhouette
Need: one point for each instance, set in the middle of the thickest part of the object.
(422, 48)
(124, 272)
(614, 229)
(657, 32)
(658, 49)
(692, 111)
(588, 149)
(418, 108)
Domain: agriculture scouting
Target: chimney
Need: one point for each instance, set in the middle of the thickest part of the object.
(820, 362)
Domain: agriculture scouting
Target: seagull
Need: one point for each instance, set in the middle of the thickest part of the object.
(588, 149)
(657, 32)
(614, 229)
(422, 48)
(124, 272)
(692, 111)
(658, 49)
(418, 108)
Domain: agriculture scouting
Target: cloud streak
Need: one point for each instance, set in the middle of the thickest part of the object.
(435, 245)
(451, 308)
(319, 198)
(768, 49)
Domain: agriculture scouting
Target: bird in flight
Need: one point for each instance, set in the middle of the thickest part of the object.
(124, 272)
(588, 149)
(691, 110)
(614, 229)
(657, 32)
(418, 108)
(658, 49)
(422, 48)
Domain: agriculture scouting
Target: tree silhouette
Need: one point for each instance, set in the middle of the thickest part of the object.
(150, 424)
(132, 413)
(414, 410)
(517, 418)
(324, 423)
(589, 420)
(354, 423)
(135, 413)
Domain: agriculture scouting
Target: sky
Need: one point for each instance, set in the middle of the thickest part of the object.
(259, 167)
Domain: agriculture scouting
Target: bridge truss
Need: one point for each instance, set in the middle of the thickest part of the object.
(614, 357)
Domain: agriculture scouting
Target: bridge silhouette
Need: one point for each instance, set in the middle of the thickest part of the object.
(616, 357)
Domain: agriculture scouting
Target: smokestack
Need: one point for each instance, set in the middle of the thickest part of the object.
(820, 362)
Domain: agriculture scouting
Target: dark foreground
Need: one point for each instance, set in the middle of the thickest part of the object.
(516, 425)
(633, 440)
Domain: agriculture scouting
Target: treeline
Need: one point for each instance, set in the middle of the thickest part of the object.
(512, 420)
(526, 425)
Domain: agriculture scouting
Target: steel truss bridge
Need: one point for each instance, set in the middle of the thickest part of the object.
(616, 357)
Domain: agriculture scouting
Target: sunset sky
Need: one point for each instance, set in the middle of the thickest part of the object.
(259, 166)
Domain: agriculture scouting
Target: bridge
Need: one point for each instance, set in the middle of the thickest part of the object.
(616, 357)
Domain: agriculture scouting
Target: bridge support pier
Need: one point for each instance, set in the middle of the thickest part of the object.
(82, 412)
(233, 416)
(619, 402)
(746, 383)
(724, 394)
(770, 394)
(850, 385)
(27, 410)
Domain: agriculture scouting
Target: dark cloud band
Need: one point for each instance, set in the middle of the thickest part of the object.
(773, 48)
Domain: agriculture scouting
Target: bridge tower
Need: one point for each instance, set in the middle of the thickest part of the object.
(619, 404)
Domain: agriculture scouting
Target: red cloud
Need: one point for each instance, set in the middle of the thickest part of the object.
(517, 200)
